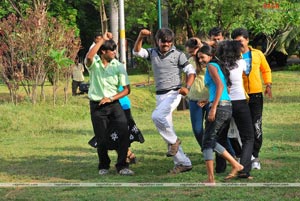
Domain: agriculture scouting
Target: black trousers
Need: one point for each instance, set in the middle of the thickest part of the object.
(242, 116)
(103, 116)
(75, 86)
(256, 109)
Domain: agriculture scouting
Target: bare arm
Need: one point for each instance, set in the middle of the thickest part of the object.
(119, 95)
(189, 81)
(213, 71)
(139, 41)
(93, 51)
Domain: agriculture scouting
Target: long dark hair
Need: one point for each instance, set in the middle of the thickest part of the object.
(205, 49)
(227, 54)
(210, 51)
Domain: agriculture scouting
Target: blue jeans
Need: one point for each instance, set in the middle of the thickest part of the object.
(214, 129)
(197, 115)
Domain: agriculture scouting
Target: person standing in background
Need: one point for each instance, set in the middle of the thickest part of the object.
(198, 95)
(215, 36)
(257, 66)
(77, 76)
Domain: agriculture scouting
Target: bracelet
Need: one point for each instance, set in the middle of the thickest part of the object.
(269, 85)
(111, 99)
(188, 87)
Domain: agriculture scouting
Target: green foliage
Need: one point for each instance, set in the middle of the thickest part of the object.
(203, 15)
(65, 13)
(294, 67)
(288, 42)
(62, 11)
(139, 15)
(142, 64)
(19, 7)
(5, 9)
(26, 48)
(60, 58)
(273, 17)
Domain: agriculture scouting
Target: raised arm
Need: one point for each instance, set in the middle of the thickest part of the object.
(93, 51)
(139, 41)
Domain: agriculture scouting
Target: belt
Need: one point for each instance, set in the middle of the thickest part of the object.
(222, 103)
(165, 91)
(97, 102)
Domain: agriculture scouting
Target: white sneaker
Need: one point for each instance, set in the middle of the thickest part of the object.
(126, 172)
(256, 165)
(103, 171)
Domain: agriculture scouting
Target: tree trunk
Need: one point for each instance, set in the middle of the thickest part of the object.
(114, 20)
(165, 15)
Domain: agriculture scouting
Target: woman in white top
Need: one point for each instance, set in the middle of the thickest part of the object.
(229, 55)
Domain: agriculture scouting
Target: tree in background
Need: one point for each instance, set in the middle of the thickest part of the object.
(278, 22)
(62, 67)
(27, 41)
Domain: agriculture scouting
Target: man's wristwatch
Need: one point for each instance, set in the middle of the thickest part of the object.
(188, 87)
(111, 99)
(269, 85)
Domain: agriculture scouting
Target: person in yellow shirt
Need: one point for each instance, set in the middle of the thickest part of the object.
(198, 92)
(257, 67)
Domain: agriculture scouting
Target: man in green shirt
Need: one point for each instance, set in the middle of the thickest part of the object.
(107, 74)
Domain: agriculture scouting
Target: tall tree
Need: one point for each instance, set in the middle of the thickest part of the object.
(278, 22)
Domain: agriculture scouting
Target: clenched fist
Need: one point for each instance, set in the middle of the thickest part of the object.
(145, 33)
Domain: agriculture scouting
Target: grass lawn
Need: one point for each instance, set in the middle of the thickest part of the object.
(47, 144)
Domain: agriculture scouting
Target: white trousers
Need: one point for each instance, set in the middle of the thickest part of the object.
(162, 118)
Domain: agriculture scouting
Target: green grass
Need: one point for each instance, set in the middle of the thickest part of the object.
(46, 144)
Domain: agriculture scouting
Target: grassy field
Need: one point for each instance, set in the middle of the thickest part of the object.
(46, 144)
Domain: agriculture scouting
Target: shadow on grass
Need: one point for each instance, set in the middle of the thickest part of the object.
(73, 164)
(73, 132)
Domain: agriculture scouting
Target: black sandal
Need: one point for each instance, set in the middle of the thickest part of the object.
(245, 176)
